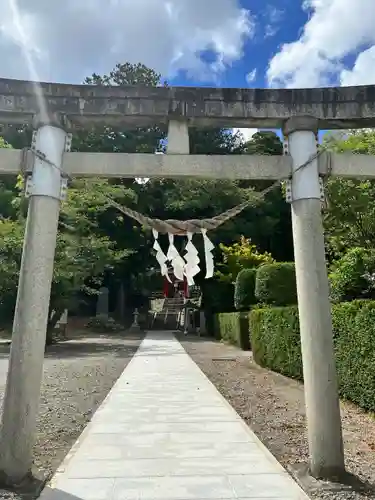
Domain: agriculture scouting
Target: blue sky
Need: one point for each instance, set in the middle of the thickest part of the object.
(280, 22)
(289, 43)
(335, 40)
(279, 43)
(285, 19)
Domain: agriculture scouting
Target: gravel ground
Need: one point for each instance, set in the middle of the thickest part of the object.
(78, 374)
(273, 406)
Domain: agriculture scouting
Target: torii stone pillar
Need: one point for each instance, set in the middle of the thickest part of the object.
(25, 371)
(178, 137)
(321, 388)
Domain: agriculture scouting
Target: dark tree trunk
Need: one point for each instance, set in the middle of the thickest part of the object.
(52, 323)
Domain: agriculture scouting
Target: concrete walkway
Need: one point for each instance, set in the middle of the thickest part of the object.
(165, 433)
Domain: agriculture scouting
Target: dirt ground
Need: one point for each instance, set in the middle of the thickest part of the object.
(273, 406)
(78, 375)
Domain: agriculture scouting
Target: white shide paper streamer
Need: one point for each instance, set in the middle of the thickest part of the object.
(160, 256)
(208, 247)
(178, 263)
(192, 260)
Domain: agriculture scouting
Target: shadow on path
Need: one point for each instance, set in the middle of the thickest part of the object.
(89, 345)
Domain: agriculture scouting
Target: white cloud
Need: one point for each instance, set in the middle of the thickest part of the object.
(250, 77)
(270, 31)
(335, 29)
(69, 40)
(273, 16)
(247, 133)
(363, 71)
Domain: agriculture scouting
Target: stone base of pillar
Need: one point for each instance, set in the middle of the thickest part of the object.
(31, 485)
(135, 329)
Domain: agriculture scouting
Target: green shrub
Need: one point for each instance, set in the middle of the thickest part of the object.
(276, 284)
(276, 345)
(244, 290)
(238, 256)
(234, 328)
(275, 339)
(354, 338)
(217, 297)
(352, 277)
(212, 324)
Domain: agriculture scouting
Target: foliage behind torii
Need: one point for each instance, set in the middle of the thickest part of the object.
(93, 237)
(350, 219)
(82, 252)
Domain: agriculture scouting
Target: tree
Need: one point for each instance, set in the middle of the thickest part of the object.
(117, 140)
(82, 253)
(214, 141)
(7, 189)
(18, 136)
(123, 231)
(11, 239)
(163, 198)
(264, 143)
(128, 74)
(354, 141)
(10, 233)
(4, 144)
(85, 211)
(353, 275)
(274, 233)
(350, 218)
(268, 223)
(239, 256)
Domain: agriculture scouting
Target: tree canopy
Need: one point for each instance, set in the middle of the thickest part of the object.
(264, 143)
(98, 243)
(83, 251)
(350, 219)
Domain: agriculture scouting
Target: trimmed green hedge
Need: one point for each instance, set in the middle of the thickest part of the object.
(244, 290)
(276, 284)
(276, 345)
(354, 338)
(234, 328)
(217, 297)
(212, 325)
(275, 339)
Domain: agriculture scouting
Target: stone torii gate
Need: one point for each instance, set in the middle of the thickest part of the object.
(56, 109)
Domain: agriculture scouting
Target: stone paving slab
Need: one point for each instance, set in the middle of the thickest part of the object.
(165, 433)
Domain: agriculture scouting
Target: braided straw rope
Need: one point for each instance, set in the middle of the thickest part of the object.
(178, 227)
